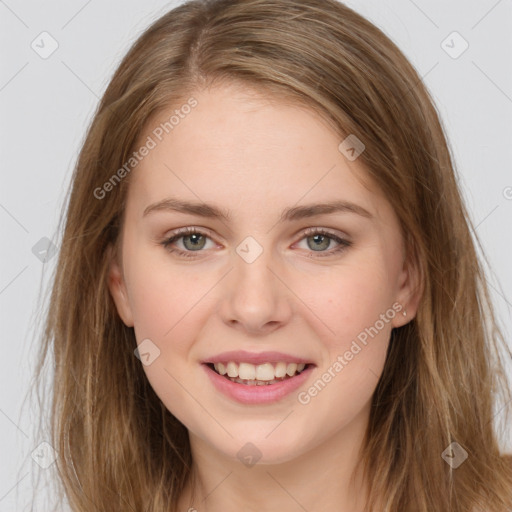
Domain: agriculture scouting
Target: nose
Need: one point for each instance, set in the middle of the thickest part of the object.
(256, 298)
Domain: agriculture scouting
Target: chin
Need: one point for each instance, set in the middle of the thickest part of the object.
(250, 449)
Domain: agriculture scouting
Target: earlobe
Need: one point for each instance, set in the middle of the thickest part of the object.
(117, 287)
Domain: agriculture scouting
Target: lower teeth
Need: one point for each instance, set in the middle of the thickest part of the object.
(257, 382)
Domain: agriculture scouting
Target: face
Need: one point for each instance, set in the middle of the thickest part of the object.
(264, 272)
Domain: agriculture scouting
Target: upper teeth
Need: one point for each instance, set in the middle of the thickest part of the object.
(266, 371)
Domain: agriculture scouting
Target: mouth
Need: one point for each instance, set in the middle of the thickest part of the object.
(266, 374)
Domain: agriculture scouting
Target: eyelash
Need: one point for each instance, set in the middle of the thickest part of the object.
(181, 233)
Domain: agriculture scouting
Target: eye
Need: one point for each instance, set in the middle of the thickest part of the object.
(195, 239)
(318, 239)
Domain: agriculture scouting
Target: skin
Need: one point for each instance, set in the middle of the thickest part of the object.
(246, 154)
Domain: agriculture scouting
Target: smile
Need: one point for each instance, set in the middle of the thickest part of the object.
(267, 382)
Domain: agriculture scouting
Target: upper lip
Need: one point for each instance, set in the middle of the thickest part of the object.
(242, 356)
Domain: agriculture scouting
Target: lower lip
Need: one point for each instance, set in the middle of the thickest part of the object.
(257, 394)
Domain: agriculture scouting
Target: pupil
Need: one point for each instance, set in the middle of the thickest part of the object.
(319, 238)
(195, 241)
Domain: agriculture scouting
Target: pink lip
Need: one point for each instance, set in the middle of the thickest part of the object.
(257, 394)
(242, 356)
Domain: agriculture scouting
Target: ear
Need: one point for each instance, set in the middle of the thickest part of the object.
(117, 287)
(410, 291)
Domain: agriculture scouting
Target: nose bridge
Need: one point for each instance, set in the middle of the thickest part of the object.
(256, 297)
(252, 262)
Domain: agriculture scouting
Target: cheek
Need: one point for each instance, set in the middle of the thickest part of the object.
(356, 306)
(168, 310)
(351, 298)
(353, 314)
(163, 298)
(155, 304)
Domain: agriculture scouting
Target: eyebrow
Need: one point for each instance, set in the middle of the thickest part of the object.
(289, 214)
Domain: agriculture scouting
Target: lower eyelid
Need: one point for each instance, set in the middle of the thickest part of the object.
(342, 246)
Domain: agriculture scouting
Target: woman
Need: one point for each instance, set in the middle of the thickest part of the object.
(267, 294)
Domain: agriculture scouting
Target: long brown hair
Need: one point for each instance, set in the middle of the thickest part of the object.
(118, 446)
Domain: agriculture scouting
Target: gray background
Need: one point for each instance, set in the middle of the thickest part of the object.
(47, 103)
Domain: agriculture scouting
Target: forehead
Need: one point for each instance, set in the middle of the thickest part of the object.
(244, 151)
